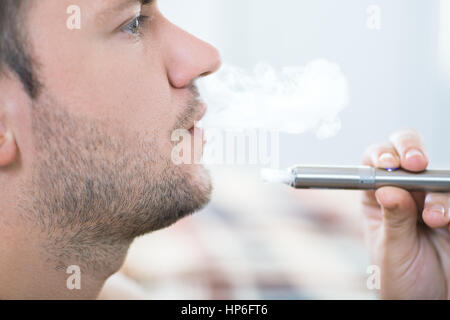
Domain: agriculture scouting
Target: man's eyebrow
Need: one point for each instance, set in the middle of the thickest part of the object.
(122, 5)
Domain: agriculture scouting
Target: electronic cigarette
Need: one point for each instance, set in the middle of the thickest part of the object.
(358, 178)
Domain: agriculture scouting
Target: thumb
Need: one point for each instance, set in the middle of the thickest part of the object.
(399, 218)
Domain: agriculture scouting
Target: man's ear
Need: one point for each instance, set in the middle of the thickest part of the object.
(8, 147)
(14, 117)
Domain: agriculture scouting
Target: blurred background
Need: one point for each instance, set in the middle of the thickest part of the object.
(256, 241)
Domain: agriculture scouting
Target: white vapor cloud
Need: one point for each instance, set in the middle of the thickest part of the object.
(291, 100)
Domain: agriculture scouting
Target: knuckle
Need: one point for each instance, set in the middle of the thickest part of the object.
(368, 154)
(378, 149)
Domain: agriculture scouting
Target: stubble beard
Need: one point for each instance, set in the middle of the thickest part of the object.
(93, 189)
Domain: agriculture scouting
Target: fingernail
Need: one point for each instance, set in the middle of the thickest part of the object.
(413, 153)
(439, 209)
(387, 160)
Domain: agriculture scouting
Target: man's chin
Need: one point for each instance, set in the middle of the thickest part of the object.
(182, 191)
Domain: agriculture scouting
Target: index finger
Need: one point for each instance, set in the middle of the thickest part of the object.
(410, 146)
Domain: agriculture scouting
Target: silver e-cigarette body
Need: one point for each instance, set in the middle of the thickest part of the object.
(359, 178)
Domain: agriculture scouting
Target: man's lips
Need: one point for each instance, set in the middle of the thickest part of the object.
(202, 111)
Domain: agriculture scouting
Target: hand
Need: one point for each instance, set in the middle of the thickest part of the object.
(408, 233)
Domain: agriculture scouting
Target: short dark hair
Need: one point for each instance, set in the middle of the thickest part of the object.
(13, 48)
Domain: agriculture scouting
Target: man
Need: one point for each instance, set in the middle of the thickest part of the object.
(86, 118)
(86, 121)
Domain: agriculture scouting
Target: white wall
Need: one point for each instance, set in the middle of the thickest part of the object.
(394, 73)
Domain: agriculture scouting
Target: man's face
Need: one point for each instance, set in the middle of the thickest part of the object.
(100, 131)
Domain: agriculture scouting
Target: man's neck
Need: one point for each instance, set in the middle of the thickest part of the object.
(32, 269)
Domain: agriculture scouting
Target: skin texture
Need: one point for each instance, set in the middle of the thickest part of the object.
(408, 233)
(86, 166)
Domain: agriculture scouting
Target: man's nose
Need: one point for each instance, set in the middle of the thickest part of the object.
(188, 57)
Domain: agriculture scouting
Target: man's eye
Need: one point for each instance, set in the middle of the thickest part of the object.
(134, 27)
